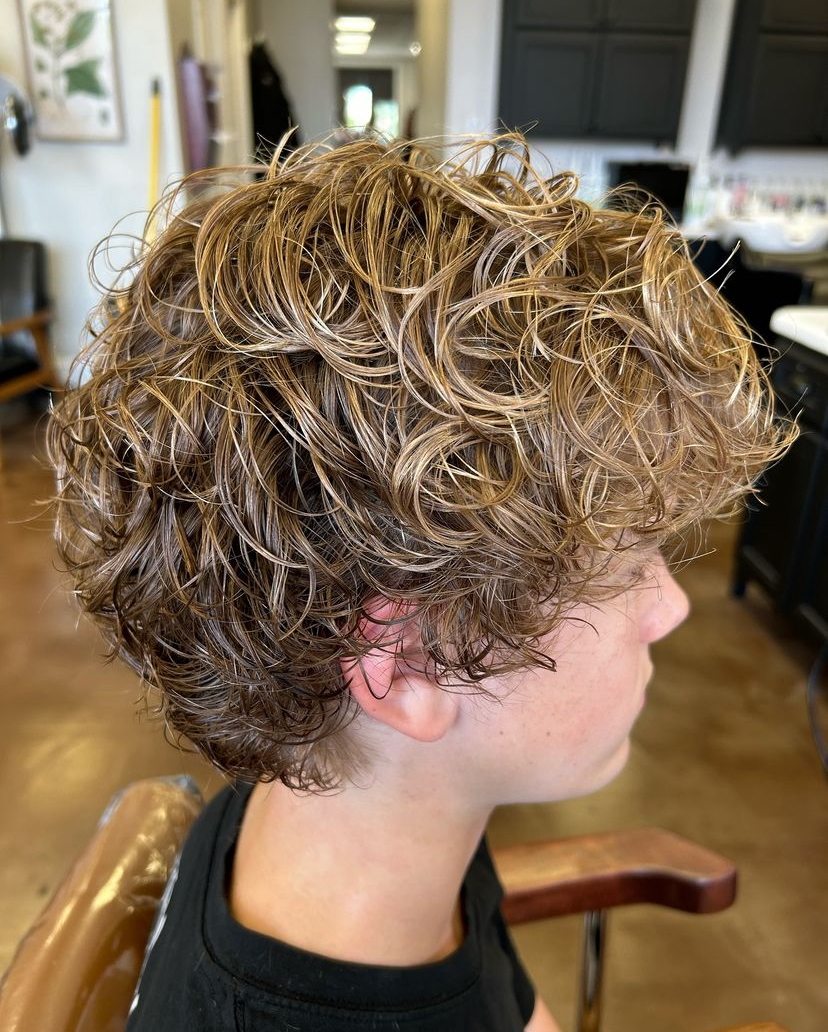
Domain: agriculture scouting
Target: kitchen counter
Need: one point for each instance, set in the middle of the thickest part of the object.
(804, 324)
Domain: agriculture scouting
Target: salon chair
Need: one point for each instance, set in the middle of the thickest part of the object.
(76, 969)
(25, 355)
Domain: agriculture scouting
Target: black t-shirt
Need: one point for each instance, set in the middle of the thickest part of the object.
(205, 972)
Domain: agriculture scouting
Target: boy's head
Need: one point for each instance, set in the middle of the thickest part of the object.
(378, 383)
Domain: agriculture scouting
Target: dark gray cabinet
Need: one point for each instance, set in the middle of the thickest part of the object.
(784, 541)
(812, 607)
(776, 87)
(776, 527)
(646, 15)
(794, 16)
(556, 14)
(638, 62)
(610, 69)
(555, 81)
(651, 15)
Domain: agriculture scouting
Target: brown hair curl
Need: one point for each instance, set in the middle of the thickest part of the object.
(378, 371)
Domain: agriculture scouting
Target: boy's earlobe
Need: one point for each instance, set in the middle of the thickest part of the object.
(390, 691)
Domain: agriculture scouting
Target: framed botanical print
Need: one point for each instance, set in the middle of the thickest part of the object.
(70, 57)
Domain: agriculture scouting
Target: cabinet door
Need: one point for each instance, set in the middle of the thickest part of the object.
(775, 535)
(790, 93)
(795, 15)
(641, 87)
(776, 89)
(555, 14)
(548, 77)
(813, 608)
(651, 15)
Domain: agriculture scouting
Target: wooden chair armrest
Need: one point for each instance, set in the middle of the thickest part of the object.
(594, 872)
(27, 322)
(761, 1026)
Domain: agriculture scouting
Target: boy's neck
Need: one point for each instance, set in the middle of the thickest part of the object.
(371, 876)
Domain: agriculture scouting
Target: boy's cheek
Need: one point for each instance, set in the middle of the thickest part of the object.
(587, 745)
(574, 755)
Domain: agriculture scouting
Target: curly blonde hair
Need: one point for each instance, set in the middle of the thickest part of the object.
(377, 371)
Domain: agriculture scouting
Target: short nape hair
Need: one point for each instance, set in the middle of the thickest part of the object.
(373, 372)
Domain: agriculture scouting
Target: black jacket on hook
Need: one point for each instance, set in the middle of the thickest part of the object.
(272, 116)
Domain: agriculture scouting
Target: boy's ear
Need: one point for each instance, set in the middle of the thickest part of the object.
(383, 684)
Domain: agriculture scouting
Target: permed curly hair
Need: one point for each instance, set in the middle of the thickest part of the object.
(374, 372)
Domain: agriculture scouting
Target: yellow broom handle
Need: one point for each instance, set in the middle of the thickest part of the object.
(154, 147)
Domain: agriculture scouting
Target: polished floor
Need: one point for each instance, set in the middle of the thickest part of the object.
(722, 754)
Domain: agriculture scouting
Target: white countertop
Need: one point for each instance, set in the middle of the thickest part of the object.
(805, 324)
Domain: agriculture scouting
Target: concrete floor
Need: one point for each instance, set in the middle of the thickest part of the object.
(722, 754)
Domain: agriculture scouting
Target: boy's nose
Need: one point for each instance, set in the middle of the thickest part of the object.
(667, 607)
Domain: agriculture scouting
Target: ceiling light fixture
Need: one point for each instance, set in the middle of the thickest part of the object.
(347, 23)
(352, 42)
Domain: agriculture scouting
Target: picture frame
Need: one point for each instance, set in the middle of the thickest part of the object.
(72, 69)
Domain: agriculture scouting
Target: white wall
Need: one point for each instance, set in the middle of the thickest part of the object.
(473, 59)
(431, 30)
(231, 51)
(299, 37)
(408, 88)
(69, 195)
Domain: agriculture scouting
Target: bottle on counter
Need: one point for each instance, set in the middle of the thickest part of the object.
(699, 207)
